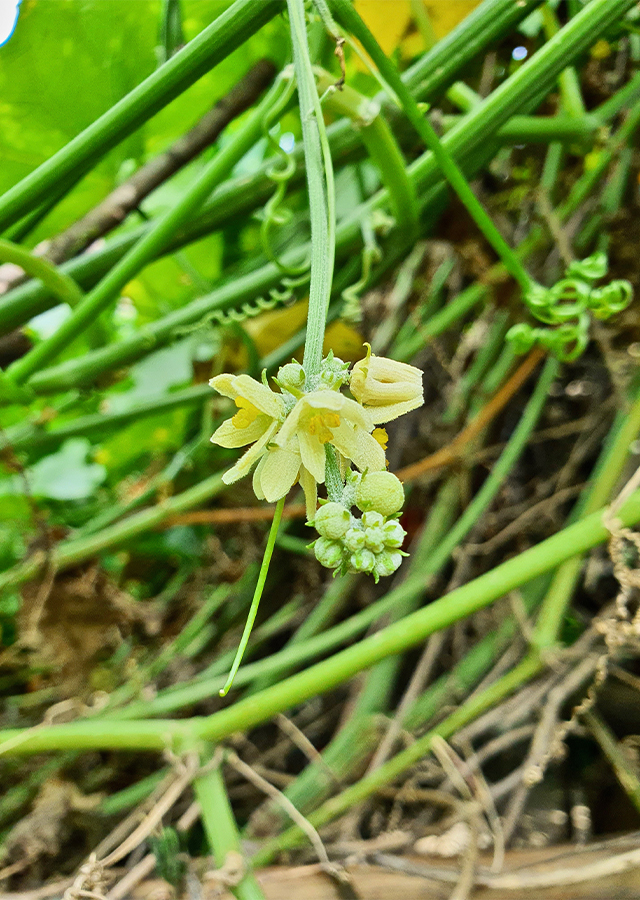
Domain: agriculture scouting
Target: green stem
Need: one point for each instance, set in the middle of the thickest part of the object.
(229, 30)
(569, 82)
(35, 436)
(321, 192)
(381, 145)
(153, 241)
(392, 769)
(350, 19)
(255, 603)
(63, 288)
(609, 468)
(220, 827)
(73, 551)
(396, 638)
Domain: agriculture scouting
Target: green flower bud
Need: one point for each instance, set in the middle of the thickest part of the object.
(291, 377)
(387, 563)
(354, 539)
(372, 519)
(362, 561)
(374, 538)
(328, 553)
(380, 491)
(332, 521)
(394, 534)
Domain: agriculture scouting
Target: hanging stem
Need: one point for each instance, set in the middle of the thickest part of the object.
(255, 603)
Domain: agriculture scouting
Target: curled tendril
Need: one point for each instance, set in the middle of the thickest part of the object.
(590, 269)
(351, 311)
(248, 310)
(610, 299)
(567, 305)
(275, 214)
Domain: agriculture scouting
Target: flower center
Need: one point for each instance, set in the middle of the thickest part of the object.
(321, 425)
(247, 413)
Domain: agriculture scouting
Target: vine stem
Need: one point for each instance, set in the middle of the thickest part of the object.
(349, 18)
(321, 192)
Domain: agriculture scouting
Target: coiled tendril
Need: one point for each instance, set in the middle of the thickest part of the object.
(567, 305)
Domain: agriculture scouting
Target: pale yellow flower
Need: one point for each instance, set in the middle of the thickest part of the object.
(386, 388)
(298, 452)
(260, 413)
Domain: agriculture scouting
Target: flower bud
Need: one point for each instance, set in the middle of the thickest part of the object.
(380, 491)
(332, 521)
(394, 534)
(362, 561)
(386, 563)
(371, 519)
(374, 539)
(328, 553)
(385, 387)
(354, 539)
(291, 377)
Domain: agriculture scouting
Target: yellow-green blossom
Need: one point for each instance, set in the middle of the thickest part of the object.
(260, 413)
(318, 418)
(386, 388)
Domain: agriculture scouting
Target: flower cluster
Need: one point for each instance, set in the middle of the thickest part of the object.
(370, 543)
(304, 432)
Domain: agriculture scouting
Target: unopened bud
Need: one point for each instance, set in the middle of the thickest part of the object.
(380, 491)
(354, 539)
(332, 521)
(328, 553)
(394, 534)
(291, 377)
(362, 561)
(387, 563)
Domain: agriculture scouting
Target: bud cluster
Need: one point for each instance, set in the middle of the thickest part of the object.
(368, 544)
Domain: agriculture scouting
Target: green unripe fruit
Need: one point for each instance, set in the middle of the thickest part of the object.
(380, 491)
(332, 521)
(354, 539)
(328, 553)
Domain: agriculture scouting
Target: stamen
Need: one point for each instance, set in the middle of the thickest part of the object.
(246, 415)
(381, 436)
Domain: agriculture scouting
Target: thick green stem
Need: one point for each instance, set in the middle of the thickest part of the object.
(153, 242)
(397, 638)
(230, 29)
(349, 18)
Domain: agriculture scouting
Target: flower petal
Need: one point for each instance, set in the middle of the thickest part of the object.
(310, 488)
(262, 397)
(313, 455)
(248, 459)
(278, 474)
(380, 414)
(360, 447)
(227, 435)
